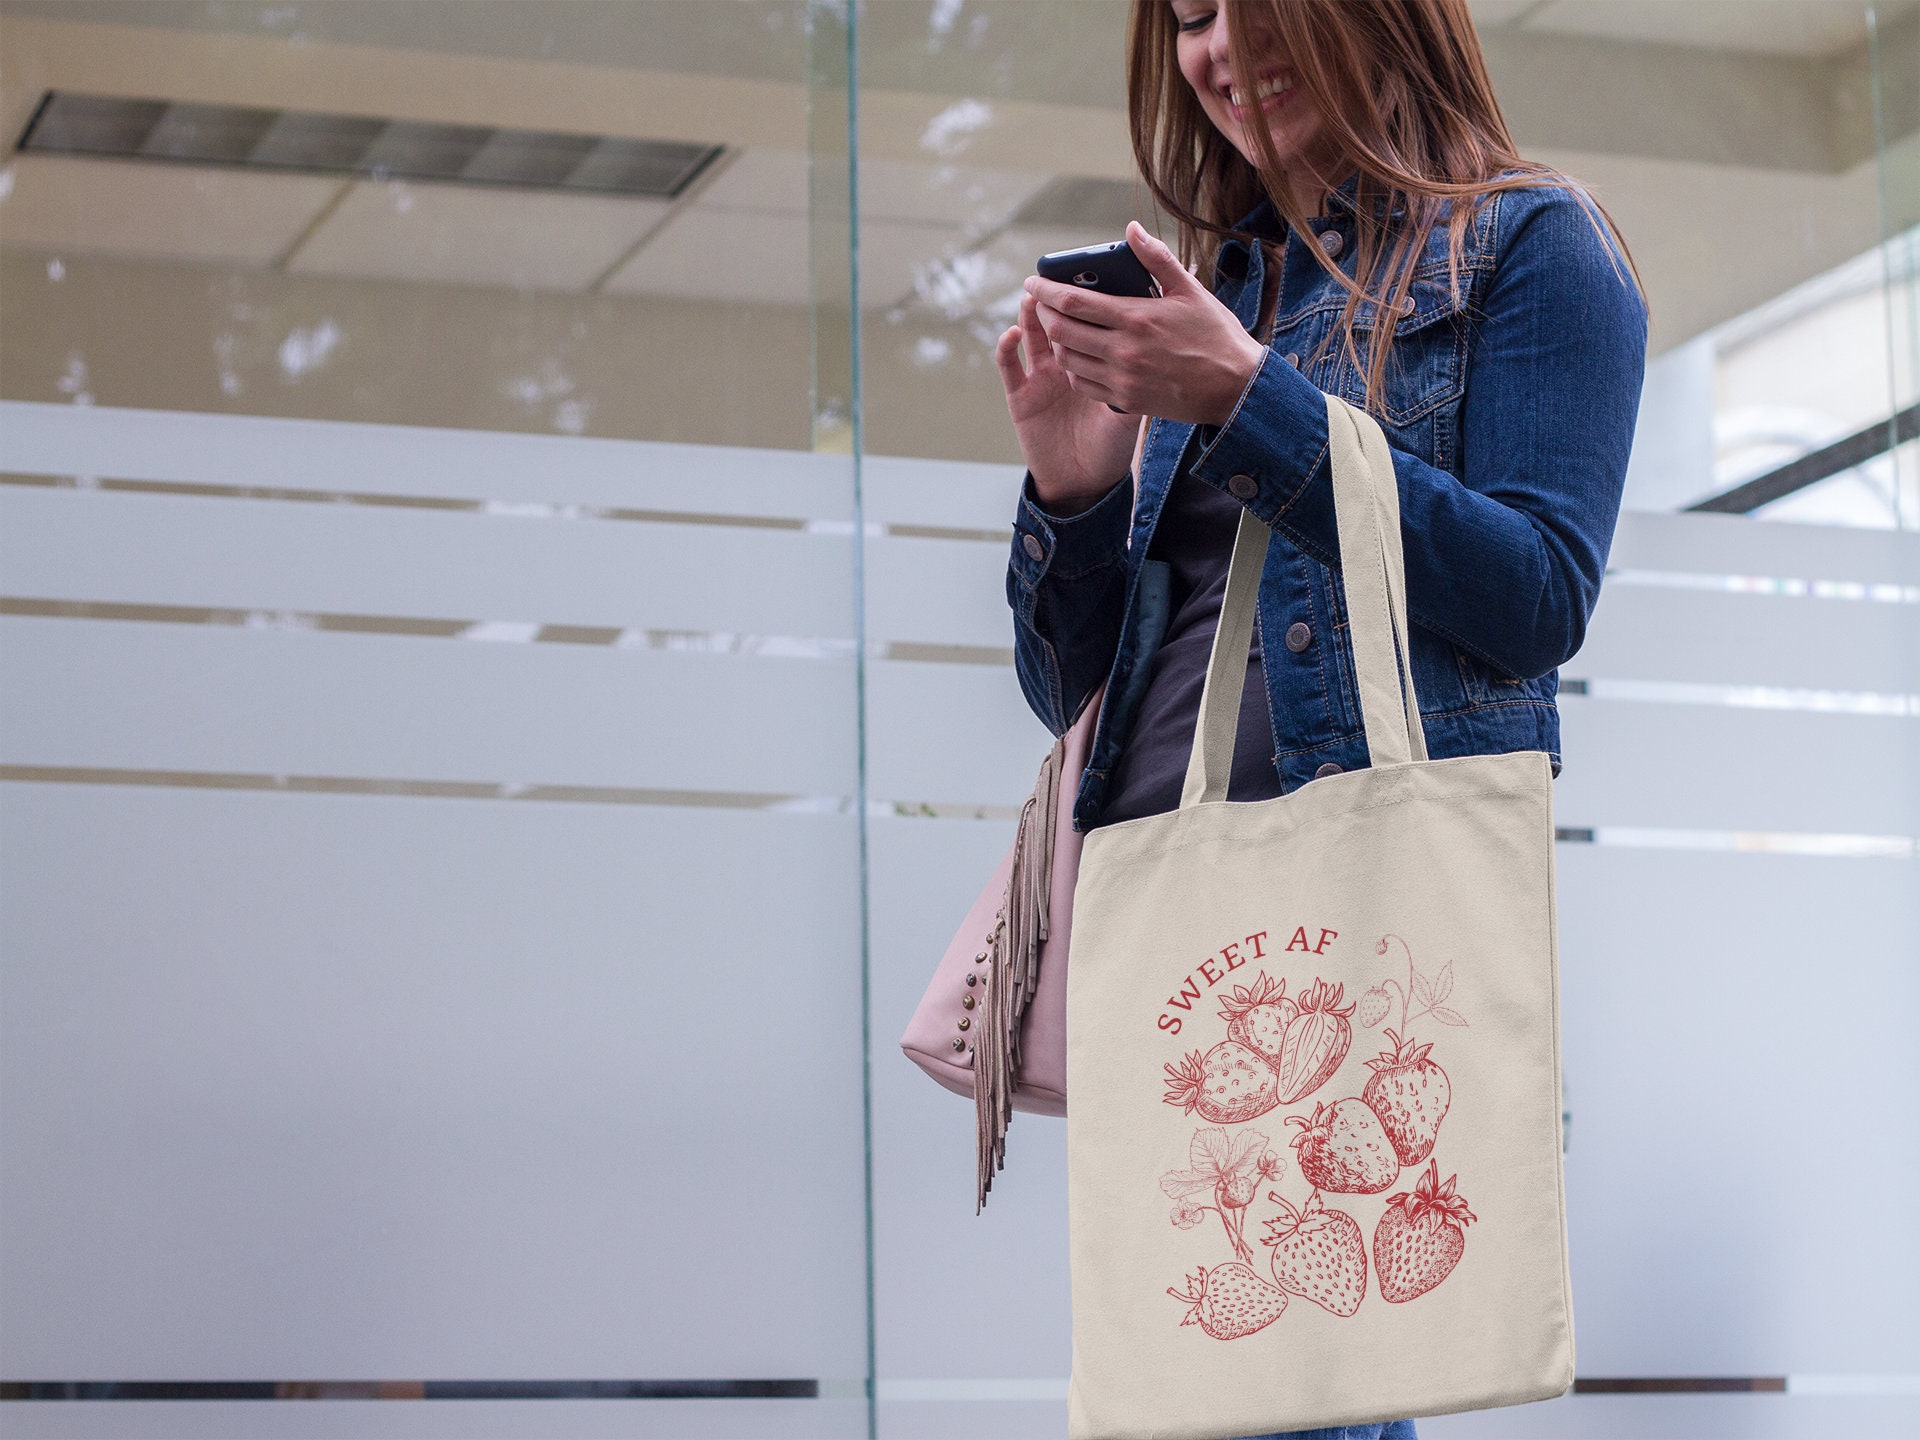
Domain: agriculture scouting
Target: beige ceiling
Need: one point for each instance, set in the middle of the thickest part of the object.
(1799, 28)
(1723, 132)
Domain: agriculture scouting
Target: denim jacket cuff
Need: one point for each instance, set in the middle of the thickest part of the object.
(1276, 438)
(1068, 546)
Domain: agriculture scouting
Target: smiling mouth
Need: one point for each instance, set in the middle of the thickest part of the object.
(1270, 94)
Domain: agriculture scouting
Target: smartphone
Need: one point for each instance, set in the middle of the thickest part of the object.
(1112, 269)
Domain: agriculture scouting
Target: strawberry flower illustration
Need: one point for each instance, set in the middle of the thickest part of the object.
(1231, 1167)
(1432, 994)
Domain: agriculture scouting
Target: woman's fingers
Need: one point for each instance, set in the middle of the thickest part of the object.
(1077, 334)
(1088, 305)
(1165, 267)
(1006, 356)
(1091, 388)
(1079, 362)
(1032, 331)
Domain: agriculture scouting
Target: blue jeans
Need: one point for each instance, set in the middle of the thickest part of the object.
(1393, 1430)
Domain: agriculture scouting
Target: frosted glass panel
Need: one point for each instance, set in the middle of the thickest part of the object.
(325, 1086)
(213, 698)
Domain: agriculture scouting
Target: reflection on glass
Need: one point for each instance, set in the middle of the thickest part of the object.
(568, 219)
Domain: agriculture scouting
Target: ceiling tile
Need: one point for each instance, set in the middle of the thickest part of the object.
(960, 195)
(710, 254)
(760, 179)
(744, 255)
(468, 235)
(174, 212)
(1805, 28)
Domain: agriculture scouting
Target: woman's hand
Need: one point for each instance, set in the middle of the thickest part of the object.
(1181, 355)
(1075, 447)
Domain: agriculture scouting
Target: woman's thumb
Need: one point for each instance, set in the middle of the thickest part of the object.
(1161, 262)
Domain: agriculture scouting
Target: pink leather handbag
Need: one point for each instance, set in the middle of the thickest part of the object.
(993, 1024)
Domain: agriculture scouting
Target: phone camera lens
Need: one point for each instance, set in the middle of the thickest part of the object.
(1086, 277)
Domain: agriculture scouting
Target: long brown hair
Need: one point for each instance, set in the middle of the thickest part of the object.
(1405, 98)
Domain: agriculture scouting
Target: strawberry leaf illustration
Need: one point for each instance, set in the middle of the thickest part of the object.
(1180, 1183)
(1443, 986)
(1446, 1016)
(1422, 991)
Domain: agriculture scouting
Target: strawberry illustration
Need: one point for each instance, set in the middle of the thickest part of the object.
(1231, 1164)
(1230, 1082)
(1410, 1094)
(1421, 1237)
(1318, 1254)
(1317, 1039)
(1229, 1300)
(1344, 1148)
(1257, 1015)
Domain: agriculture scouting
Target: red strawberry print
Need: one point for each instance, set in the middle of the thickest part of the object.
(1257, 1015)
(1421, 1237)
(1317, 1040)
(1318, 1254)
(1410, 1094)
(1345, 1149)
(1229, 1083)
(1230, 1301)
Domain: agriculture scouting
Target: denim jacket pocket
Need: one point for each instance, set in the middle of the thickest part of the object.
(1427, 367)
(1486, 686)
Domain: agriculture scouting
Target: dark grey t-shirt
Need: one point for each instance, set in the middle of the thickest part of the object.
(1195, 538)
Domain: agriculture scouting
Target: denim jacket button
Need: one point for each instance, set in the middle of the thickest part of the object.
(1332, 242)
(1293, 360)
(1031, 544)
(1243, 487)
(1325, 770)
(1299, 636)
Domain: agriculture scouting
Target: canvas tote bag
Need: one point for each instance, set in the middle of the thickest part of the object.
(1312, 1042)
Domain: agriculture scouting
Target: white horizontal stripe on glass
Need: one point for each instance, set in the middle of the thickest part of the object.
(1879, 593)
(511, 632)
(499, 509)
(1853, 1384)
(1898, 847)
(1759, 842)
(1752, 697)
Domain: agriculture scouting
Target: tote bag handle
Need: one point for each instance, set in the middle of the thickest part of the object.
(1366, 508)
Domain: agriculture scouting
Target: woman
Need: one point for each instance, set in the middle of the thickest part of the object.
(1349, 161)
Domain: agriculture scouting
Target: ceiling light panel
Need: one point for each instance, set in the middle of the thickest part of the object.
(98, 125)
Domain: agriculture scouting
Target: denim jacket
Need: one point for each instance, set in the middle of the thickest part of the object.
(1509, 403)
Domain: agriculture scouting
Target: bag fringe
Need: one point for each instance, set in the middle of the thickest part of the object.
(1011, 961)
